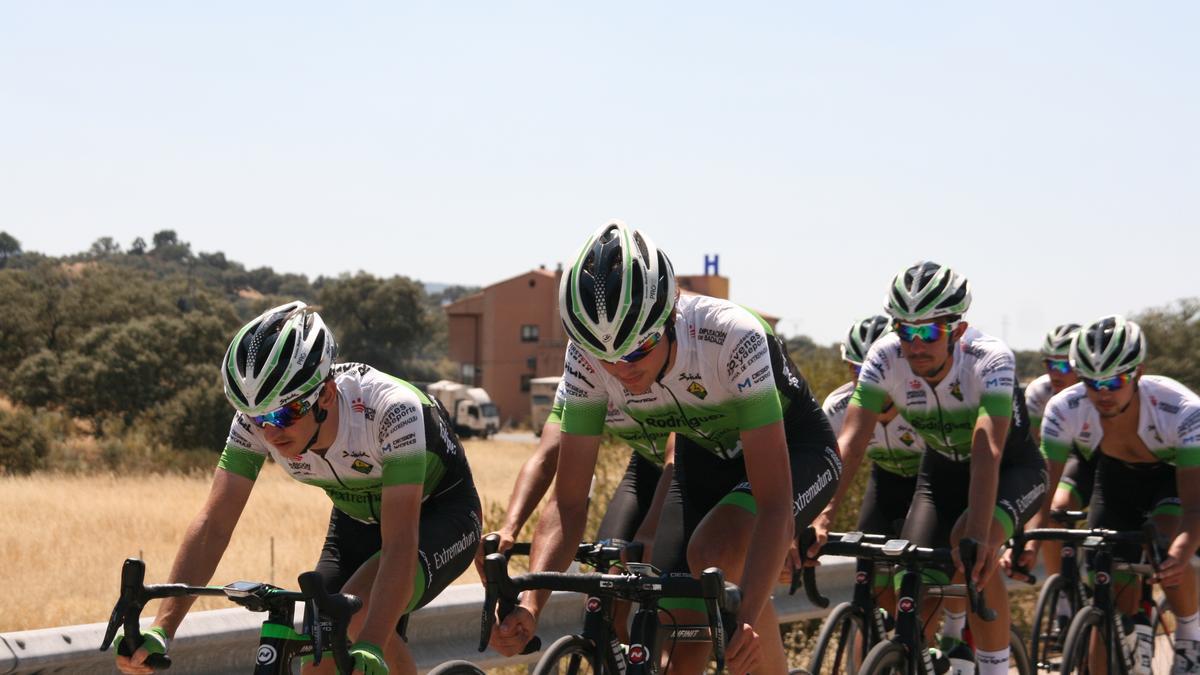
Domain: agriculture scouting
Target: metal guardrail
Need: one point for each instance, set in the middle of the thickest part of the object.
(223, 641)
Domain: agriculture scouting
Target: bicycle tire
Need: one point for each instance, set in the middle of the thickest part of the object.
(1018, 655)
(457, 668)
(569, 655)
(834, 653)
(1048, 635)
(1079, 638)
(886, 658)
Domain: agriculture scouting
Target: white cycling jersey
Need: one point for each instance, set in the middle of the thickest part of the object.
(1037, 395)
(980, 382)
(896, 446)
(722, 381)
(389, 433)
(1168, 422)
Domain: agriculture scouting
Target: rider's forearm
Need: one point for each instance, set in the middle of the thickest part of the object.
(555, 541)
(392, 589)
(195, 562)
(769, 540)
(531, 485)
(852, 446)
(1054, 472)
(984, 482)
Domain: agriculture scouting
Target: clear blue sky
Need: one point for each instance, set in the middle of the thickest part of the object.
(1050, 151)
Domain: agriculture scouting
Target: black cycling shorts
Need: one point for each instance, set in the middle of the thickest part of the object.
(703, 480)
(1079, 476)
(449, 534)
(886, 502)
(631, 500)
(1126, 495)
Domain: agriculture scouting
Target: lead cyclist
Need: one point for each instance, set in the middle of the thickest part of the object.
(755, 458)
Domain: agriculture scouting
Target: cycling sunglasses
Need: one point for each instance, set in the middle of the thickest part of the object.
(643, 350)
(925, 332)
(289, 414)
(1110, 383)
(1058, 366)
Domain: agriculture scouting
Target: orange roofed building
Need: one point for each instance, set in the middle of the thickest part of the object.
(509, 333)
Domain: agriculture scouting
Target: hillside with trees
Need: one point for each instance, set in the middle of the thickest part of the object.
(112, 354)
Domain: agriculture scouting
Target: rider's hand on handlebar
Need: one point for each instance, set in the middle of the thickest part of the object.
(1026, 559)
(1171, 570)
(511, 635)
(744, 652)
(368, 659)
(506, 542)
(154, 641)
(820, 525)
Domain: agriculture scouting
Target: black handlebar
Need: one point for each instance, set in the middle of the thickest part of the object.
(337, 607)
(501, 590)
(968, 552)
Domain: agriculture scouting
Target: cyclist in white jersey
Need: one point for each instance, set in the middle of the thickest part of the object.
(754, 455)
(981, 475)
(894, 449)
(1145, 432)
(406, 517)
(1074, 489)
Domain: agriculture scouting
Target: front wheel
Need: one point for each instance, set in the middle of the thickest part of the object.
(1048, 631)
(457, 668)
(886, 658)
(1076, 649)
(569, 655)
(841, 644)
(1018, 656)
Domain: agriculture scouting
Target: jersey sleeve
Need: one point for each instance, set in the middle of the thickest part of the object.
(745, 362)
(1187, 455)
(1058, 436)
(584, 399)
(244, 453)
(401, 433)
(835, 409)
(997, 375)
(871, 391)
(556, 410)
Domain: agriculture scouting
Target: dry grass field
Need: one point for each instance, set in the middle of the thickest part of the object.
(63, 537)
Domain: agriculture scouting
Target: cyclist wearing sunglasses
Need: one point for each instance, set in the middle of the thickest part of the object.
(1075, 487)
(894, 449)
(406, 517)
(714, 374)
(981, 475)
(1144, 431)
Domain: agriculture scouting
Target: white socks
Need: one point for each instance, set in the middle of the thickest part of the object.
(953, 623)
(992, 663)
(1187, 627)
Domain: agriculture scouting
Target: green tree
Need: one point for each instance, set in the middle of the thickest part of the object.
(386, 323)
(9, 247)
(104, 247)
(138, 247)
(1173, 340)
(167, 246)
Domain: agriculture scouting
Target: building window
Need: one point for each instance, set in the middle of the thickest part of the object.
(525, 382)
(468, 373)
(531, 363)
(529, 333)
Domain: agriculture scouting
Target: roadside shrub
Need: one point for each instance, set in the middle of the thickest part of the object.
(23, 443)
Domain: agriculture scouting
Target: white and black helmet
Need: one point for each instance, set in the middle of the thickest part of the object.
(926, 291)
(282, 355)
(618, 293)
(1058, 340)
(1108, 347)
(862, 335)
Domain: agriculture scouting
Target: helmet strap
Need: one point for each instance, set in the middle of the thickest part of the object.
(670, 336)
(319, 414)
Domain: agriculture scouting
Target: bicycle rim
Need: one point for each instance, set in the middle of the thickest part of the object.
(457, 668)
(1079, 639)
(839, 649)
(886, 658)
(1048, 634)
(569, 655)
(1018, 656)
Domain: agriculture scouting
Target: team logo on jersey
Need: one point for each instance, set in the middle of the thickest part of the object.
(907, 438)
(1154, 430)
(358, 406)
(361, 466)
(914, 384)
(956, 390)
(696, 389)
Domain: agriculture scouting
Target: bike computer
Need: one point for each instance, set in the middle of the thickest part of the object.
(242, 589)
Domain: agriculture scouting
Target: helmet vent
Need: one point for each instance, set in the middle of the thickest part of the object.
(281, 366)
